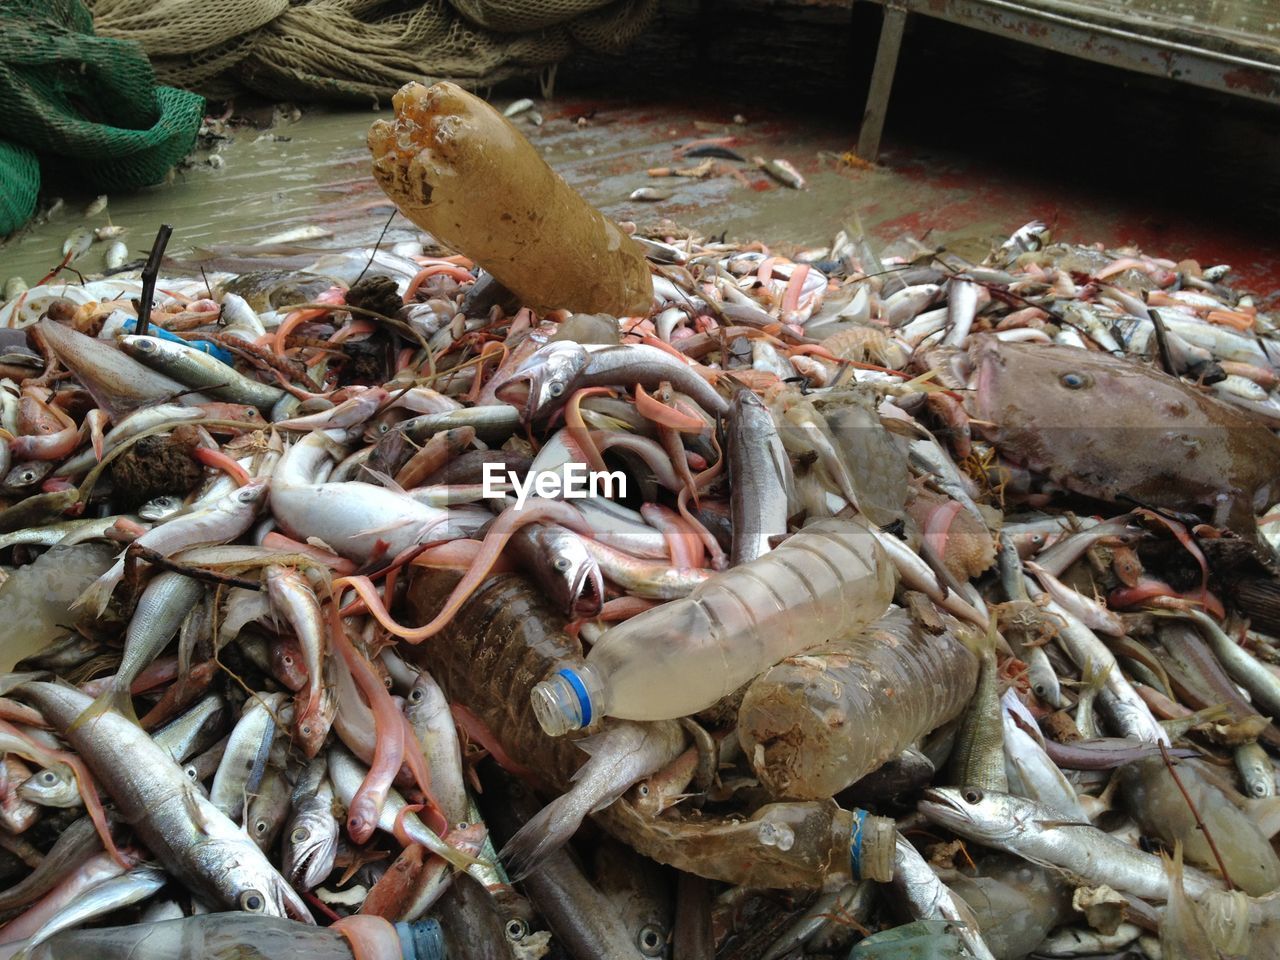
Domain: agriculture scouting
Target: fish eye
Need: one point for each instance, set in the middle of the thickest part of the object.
(260, 827)
(299, 835)
(555, 388)
(516, 929)
(288, 660)
(650, 940)
(192, 773)
(972, 795)
(643, 790)
(252, 901)
(416, 695)
(1040, 689)
(49, 777)
(1075, 381)
(1259, 789)
(561, 564)
(462, 826)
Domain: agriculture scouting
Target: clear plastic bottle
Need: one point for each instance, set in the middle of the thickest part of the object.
(813, 724)
(825, 583)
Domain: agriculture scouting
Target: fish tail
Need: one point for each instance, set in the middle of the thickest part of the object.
(1094, 676)
(535, 841)
(97, 595)
(981, 643)
(113, 699)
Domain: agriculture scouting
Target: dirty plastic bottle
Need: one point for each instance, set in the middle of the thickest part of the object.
(457, 168)
(240, 935)
(818, 722)
(509, 634)
(825, 583)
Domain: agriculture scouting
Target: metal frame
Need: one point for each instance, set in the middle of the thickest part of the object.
(1051, 25)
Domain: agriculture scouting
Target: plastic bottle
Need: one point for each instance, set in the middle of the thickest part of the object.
(825, 583)
(240, 935)
(816, 723)
(489, 658)
(456, 167)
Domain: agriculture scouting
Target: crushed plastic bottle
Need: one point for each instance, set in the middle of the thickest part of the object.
(821, 720)
(456, 167)
(825, 583)
(35, 599)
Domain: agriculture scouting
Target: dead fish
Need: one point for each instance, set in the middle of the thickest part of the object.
(78, 241)
(1112, 429)
(716, 152)
(116, 254)
(517, 108)
(118, 383)
(13, 287)
(621, 754)
(96, 206)
(651, 194)
(782, 171)
(109, 232)
(296, 235)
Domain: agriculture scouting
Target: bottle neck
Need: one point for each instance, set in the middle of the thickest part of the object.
(572, 698)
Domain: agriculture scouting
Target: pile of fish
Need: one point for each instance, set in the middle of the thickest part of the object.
(929, 605)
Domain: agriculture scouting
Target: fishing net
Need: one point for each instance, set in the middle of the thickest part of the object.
(83, 104)
(362, 50)
(19, 186)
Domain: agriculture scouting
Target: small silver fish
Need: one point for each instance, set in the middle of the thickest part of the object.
(115, 255)
(96, 206)
(650, 194)
(13, 287)
(296, 235)
(1256, 770)
(519, 107)
(79, 240)
(109, 232)
(782, 171)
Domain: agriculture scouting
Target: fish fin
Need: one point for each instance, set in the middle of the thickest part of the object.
(460, 859)
(385, 479)
(537, 839)
(592, 746)
(114, 700)
(1265, 815)
(95, 597)
(1094, 675)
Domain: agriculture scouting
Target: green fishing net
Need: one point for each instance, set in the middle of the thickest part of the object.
(87, 106)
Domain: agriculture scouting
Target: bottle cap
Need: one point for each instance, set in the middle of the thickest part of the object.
(423, 940)
(871, 846)
(561, 703)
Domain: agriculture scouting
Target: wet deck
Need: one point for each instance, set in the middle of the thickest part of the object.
(1013, 134)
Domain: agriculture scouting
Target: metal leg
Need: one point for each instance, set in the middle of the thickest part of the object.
(895, 18)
